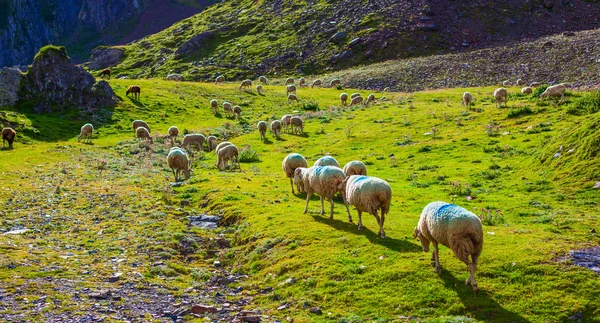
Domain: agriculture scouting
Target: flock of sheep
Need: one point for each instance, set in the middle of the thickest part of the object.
(501, 94)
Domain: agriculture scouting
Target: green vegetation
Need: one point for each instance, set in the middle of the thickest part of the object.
(90, 205)
(50, 50)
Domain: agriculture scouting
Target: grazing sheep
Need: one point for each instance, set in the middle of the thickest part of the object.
(222, 145)
(9, 134)
(335, 82)
(318, 83)
(86, 132)
(228, 108)
(356, 100)
(289, 89)
(143, 133)
(387, 89)
(212, 142)
(353, 95)
(289, 80)
(344, 99)
(467, 100)
(105, 72)
(289, 165)
(327, 161)
(554, 91)
(262, 129)
(140, 123)
(263, 80)
(136, 90)
(237, 112)
(276, 128)
(214, 105)
(368, 194)
(259, 89)
(527, 90)
(454, 227)
(226, 154)
(179, 163)
(535, 84)
(245, 84)
(174, 77)
(173, 133)
(297, 125)
(520, 82)
(194, 139)
(302, 82)
(370, 98)
(355, 167)
(286, 121)
(293, 97)
(220, 79)
(323, 180)
(506, 83)
(501, 95)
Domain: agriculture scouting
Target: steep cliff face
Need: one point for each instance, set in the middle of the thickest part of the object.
(28, 25)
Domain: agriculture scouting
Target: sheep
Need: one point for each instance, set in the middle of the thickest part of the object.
(316, 83)
(506, 83)
(214, 105)
(527, 90)
(212, 142)
(289, 80)
(237, 111)
(467, 100)
(105, 72)
(173, 133)
(286, 121)
(302, 82)
(220, 79)
(222, 145)
(179, 163)
(86, 131)
(226, 154)
(140, 123)
(335, 82)
(353, 95)
(289, 89)
(355, 167)
(344, 99)
(297, 125)
(9, 134)
(228, 108)
(370, 98)
(554, 91)
(326, 181)
(454, 227)
(245, 84)
(535, 84)
(143, 133)
(262, 129)
(293, 97)
(136, 90)
(259, 89)
(263, 80)
(501, 95)
(520, 82)
(356, 100)
(194, 139)
(327, 161)
(276, 128)
(386, 89)
(367, 194)
(174, 77)
(289, 165)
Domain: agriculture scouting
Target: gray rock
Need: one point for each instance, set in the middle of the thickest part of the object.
(195, 43)
(10, 82)
(339, 37)
(315, 310)
(429, 27)
(354, 42)
(103, 57)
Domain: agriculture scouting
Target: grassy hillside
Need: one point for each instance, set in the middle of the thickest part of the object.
(109, 207)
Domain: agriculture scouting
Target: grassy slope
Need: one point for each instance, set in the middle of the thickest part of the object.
(353, 275)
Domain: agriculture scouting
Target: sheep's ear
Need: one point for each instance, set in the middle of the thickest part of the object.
(417, 233)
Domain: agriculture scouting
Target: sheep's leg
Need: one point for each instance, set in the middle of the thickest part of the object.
(322, 206)
(347, 209)
(381, 234)
(292, 184)
(308, 195)
(331, 202)
(381, 225)
(174, 174)
(359, 219)
(472, 268)
(436, 255)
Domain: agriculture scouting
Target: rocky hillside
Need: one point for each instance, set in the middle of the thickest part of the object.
(245, 37)
(28, 25)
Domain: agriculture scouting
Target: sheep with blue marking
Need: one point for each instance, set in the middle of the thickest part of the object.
(289, 165)
(327, 161)
(325, 181)
(453, 227)
(355, 167)
(368, 194)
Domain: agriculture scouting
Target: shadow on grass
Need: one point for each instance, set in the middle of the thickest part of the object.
(480, 305)
(6, 148)
(280, 139)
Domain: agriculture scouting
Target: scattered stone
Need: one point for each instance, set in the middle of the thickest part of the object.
(16, 231)
(597, 185)
(338, 37)
(593, 230)
(283, 307)
(201, 309)
(103, 57)
(354, 42)
(587, 258)
(115, 277)
(216, 263)
(204, 221)
(315, 310)
(101, 294)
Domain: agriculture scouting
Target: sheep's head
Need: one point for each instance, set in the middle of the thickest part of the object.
(298, 179)
(421, 237)
(186, 174)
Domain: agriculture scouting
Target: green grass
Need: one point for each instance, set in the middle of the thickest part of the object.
(115, 197)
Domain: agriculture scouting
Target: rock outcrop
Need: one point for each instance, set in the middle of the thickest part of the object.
(10, 83)
(103, 57)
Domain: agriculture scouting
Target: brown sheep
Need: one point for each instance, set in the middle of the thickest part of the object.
(136, 90)
(245, 84)
(344, 99)
(140, 123)
(318, 83)
(237, 112)
(105, 72)
(285, 122)
(292, 97)
(143, 133)
(8, 134)
(289, 89)
(173, 133)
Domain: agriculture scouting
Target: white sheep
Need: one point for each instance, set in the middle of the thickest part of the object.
(263, 79)
(527, 90)
(226, 154)
(173, 133)
(293, 97)
(302, 82)
(453, 227)
(368, 194)
(212, 142)
(194, 139)
(386, 89)
(335, 82)
(262, 129)
(325, 181)
(179, 163)
(140, 123)
(467, 100)
(370, 98)
(289, 165)
(353, 95)
(276, 128)
(327, 161)
(520, 82)
(245, 84)
(220, 79)
(297, 125)
(355, 167)
(318, 83)
(554, 91)
(506, 83)
(535, 84)
(286, 122)
(501, 95)
(228, 108)
(174, 77)
(214, 105)
(86, 132)
(289, 80)
(356, 100)
(237, 111)
(344, 99)
(222, 145)
(290, 89)
(259, 89)
(143, 133)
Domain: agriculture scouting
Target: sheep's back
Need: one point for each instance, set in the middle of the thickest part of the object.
(293, 161)
(368, 194)
(324, 180)
(444, 220)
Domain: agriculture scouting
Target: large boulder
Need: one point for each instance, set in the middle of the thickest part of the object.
(103, 57)
(54, 79)
(195, 44)
(10, 83)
